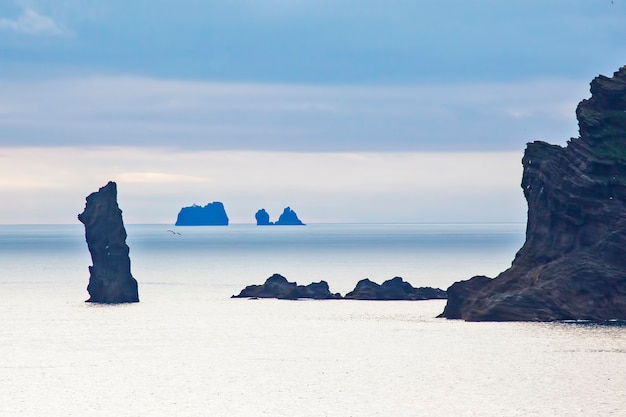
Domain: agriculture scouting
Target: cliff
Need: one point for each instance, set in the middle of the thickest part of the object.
(573, 263)
(110, 280)
(213, 214)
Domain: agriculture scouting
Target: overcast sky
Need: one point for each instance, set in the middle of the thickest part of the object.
(345, 110)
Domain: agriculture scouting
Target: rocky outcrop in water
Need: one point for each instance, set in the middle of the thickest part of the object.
(393, 289)
(288, 218)
(213, 214)
(573, 263)
(277, 286)
(110, 280)
(262, 218)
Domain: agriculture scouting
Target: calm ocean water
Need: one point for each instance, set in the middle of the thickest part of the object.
(187, 349)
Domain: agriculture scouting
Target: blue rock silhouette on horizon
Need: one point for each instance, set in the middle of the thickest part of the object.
(288, 218)
(213, 214)
(263, 218)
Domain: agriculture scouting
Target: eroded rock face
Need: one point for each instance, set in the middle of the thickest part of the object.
(277, 286)
(393, 289)
(110, 280)
(573, 263)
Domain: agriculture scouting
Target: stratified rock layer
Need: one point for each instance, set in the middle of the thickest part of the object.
(393, 289)
(213, 214)
(573, 263)
(110, 279)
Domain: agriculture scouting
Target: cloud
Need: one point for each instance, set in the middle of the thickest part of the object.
(135, 111)
(49, 185)
(159, 178)
(31, 22)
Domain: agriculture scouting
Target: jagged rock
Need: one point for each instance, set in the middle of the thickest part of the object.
(262, 218)
(393, 289)
(110, 279)
(573, 263)
(277, 286)
(213, 214)
(289, 218)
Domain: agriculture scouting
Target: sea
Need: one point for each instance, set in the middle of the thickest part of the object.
(189, 349)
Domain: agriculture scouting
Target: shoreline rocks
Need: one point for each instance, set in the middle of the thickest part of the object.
(110, 279)
(572, 264)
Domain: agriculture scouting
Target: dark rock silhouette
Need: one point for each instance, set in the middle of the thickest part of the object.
(393, 289)
(262, 218)
(288, 218)
(213, 214)
(573, 263)
(110, 280)
(277, 286)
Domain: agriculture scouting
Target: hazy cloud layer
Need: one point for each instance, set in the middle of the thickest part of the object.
(201, 115)
(49, 185)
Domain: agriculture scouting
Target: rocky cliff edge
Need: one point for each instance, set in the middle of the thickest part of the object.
(573, 263)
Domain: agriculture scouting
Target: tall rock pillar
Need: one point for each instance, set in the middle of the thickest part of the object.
(110, 280)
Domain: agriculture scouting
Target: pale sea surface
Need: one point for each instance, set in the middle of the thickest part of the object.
(188, 349)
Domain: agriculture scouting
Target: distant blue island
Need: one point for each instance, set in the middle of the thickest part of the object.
(288, 218)
(213, 214)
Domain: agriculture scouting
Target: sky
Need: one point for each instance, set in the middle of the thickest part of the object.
(346, 111)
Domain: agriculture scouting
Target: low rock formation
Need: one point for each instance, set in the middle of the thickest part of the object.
(213, 214)
(110, 279)
(393, 289)
(277, 286)
(573, 263)
(262, 218)
(288, 218)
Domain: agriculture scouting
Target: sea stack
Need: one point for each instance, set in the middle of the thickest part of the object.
(213, 214)
(288, 218)
(262, 218)
(110, 280)
(573, 263)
